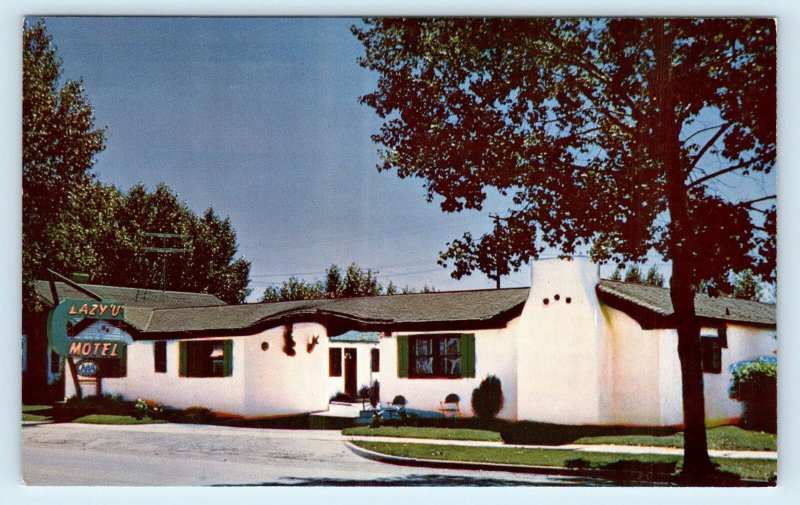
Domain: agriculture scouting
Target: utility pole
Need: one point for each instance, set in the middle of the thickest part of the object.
(497, 250)
(164, 251)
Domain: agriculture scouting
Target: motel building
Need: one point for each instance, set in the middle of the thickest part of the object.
(571, 349)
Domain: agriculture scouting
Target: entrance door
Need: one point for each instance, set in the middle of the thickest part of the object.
(350, 372)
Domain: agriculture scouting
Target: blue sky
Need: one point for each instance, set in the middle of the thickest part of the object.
(259, 118)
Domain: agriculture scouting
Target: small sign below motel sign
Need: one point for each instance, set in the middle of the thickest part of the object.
(87, 368)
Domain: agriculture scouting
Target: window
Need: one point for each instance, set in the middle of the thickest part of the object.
(160, 356)
(375, 361)
(114, 367)
(436, 356)
(334, 362)
(206, 358)
(431, 355)
(712, 354)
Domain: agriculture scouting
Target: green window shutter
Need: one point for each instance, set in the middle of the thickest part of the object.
(467, 355)
(227, 356)
(402, 356)
(183, 353)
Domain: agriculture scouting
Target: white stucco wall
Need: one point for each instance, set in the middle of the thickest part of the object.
(495, 354)
(277, 384)
(364, 373)
(262, 383)
(632, 394)
(562, 346)
(744, 343)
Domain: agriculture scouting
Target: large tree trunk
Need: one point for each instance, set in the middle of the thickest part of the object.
(696, 463)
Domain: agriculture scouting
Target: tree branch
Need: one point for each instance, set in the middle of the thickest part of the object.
(762, 199)
(726, 170)
(705, 130)
(707, 146)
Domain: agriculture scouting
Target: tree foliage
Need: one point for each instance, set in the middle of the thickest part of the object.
(59, 144)
(653, 277)
(615, 137)
(746, 286)
(563, 117)
(633, 274)
(73, 223)
(355, 282)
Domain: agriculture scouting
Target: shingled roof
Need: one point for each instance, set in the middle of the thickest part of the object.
(440, 310)
(656, 301)
(157, 314)
(130, 297)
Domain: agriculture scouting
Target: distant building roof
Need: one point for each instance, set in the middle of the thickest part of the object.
(656, 303)
(130, 297)
(357, 337)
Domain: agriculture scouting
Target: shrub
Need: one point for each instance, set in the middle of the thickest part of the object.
(147, 408)
(487, 399)
(375, 394)
(197, 415)
(755, 385)
(400, 400)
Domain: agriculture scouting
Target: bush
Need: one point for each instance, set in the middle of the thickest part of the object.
(755, 385)
(105, 404)
(147, 408)
(400, 400)
(375, 394)
(487, 399)
(196, 415)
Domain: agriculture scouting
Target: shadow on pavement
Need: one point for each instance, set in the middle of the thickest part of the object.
(427, 480)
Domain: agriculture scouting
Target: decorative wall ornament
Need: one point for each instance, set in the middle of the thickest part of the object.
(310, 345)
(288, 341)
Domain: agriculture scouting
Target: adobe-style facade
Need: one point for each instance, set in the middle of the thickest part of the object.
(571, 349)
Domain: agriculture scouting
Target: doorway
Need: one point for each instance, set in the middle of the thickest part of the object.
(350, 372)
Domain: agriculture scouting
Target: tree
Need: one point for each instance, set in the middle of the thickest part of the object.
(356, 282)
(654, 278)
(59, 144)
(633, 274)
(333, 282)
(607, 136)
(617, 275)
(746, 286)
(208, 264)
(73, 223)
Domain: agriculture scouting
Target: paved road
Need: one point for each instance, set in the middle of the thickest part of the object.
(171, 454)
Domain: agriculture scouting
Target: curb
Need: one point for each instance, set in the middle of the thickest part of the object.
(639, 478)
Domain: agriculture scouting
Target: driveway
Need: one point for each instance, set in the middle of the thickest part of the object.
(190, 455)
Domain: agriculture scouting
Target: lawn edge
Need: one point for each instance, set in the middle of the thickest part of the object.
(612, 475)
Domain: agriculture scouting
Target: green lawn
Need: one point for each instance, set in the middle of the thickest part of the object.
(724, 437)
(35, 408)
(34, 417)
(28, 416)
(111, 419)
(749, 468)
(413, 432)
